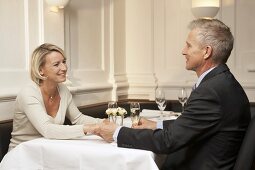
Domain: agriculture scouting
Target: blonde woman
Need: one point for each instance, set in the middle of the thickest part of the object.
(41, 106)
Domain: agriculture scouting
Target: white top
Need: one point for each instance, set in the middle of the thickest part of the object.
(31, 120)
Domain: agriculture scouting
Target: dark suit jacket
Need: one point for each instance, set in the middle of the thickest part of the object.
(208, 135)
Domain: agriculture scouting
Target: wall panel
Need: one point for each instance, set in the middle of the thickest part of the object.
(13, 46)
(88, 41)
(245, 40)
(171, 19)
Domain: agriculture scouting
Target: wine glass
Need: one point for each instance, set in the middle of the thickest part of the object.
(135, 112)
(112, 105)
(160, 100)
(182, 97)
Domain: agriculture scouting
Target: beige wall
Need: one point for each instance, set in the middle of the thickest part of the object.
(116, 49)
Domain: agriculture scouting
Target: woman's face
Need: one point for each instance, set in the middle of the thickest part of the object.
(54, 68)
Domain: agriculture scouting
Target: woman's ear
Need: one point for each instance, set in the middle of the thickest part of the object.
(208, 52)
(41, 72)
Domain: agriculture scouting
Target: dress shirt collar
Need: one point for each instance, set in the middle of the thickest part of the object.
(202, 76)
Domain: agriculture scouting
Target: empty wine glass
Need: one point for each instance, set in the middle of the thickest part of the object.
(135, 112)
(112, 105)
(160, 100)
(182, 97)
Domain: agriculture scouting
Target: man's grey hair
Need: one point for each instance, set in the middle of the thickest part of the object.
(216, 34)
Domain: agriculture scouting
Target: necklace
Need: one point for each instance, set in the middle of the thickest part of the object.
(51, 98)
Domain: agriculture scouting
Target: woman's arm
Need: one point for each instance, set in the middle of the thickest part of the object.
(31, 104)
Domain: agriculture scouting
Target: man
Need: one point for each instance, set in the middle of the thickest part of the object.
(208, 134)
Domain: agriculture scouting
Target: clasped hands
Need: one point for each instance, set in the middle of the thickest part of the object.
(106, 129)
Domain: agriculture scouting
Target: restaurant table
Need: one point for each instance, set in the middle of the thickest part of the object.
(90, 152)
(87, 153)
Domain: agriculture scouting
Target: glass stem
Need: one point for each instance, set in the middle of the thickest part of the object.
(182, 107)
(161, 114)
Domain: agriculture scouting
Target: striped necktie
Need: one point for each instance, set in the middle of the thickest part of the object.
(194, 87)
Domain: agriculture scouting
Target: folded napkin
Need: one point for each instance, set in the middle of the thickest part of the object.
(156, 113)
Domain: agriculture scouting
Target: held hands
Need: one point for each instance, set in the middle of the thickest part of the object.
(92, 128)
(106, 129)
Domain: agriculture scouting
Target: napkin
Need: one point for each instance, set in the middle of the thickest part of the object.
(147, 113)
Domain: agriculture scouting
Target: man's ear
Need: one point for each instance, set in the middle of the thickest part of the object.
(208, 52)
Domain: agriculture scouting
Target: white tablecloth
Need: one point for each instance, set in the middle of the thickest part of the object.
(88, 153)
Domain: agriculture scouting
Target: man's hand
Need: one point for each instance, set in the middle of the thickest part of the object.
(145, 124)
(106, 130)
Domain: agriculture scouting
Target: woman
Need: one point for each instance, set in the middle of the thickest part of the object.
(41, 107)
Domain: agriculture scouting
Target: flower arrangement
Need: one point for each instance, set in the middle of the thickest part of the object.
(116, 115)
(116, 111)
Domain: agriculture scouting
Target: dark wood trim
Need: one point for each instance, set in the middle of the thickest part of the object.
(6, 121)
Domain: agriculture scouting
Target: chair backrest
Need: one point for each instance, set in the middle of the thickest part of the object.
(5, 136)
(246, 156)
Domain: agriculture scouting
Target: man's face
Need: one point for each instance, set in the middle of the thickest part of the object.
(193, 52)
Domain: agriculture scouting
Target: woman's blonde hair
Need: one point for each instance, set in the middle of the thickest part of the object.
(38, 60)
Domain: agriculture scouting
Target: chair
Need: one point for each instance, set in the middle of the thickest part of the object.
(246, 156)
(5, 136)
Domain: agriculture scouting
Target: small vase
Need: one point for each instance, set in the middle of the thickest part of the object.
(119, 120)
(116, 119)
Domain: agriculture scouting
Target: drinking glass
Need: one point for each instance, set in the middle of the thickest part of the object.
(182, 97)
(160, 100)
(135, 112)
(112, 105)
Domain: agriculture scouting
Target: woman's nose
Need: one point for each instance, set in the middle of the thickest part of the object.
(63, 66)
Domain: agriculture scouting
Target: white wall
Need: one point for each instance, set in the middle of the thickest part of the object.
(116, 49)
(24, 25)
(139, 49)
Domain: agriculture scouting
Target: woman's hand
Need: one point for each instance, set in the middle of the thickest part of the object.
(91, 128)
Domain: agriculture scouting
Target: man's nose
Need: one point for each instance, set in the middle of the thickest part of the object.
(184, 51)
